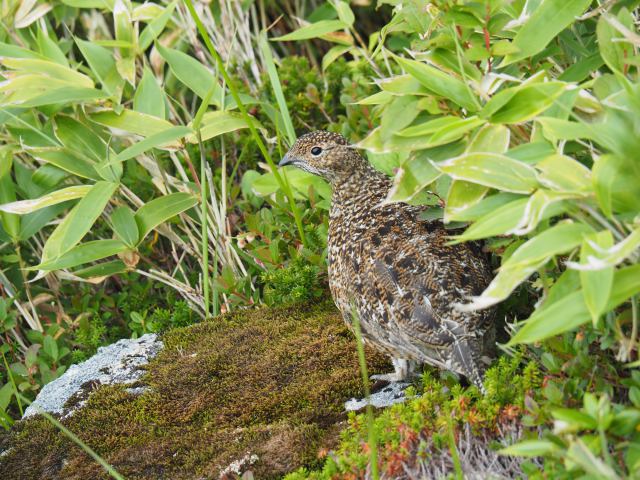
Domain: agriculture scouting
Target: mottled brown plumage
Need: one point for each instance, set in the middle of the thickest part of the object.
(394, 269)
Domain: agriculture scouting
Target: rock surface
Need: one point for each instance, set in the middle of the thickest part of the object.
(258, 390)
(118, 363)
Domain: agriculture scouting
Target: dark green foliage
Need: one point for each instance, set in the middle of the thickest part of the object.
(297, 282)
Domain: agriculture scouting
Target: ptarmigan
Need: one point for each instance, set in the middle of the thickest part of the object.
(396, 271)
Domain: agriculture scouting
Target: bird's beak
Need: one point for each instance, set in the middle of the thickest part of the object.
(286, 160)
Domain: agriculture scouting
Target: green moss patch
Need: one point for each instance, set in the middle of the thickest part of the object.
(263, 388)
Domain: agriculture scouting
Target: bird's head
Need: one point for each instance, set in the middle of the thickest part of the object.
(326, 154)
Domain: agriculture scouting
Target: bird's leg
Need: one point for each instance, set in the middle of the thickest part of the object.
(403, 370)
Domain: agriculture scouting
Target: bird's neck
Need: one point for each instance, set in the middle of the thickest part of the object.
(363, 188)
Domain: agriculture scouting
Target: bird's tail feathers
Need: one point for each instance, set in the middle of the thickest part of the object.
(465, 363)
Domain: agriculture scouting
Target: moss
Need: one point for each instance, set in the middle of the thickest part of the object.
(265, 382)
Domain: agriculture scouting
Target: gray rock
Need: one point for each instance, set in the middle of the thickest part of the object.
(387, 396)
(116, 363)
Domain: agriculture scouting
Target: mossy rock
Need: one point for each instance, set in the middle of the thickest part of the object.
(264, 388)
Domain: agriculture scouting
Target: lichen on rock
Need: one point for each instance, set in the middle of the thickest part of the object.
(260, 389)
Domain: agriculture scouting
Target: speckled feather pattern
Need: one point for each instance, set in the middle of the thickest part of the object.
(397, 270)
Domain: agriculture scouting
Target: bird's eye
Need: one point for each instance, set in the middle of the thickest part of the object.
(315, 151)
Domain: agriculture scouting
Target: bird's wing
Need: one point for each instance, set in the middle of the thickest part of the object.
(419, 279)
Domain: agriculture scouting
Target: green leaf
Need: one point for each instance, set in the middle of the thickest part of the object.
(596, 285)
(569, 311)
(67, 161)
(313, 30)
(440, 83)
(615, 49)
(27, 206)
(491, 170)
(156, 26)
(83, 253)
(101, 270)
(616, 184)
(527, 259)
(10, 221)
(462, 196)
(564, 174)
(333, 54)
(192, 73)
(124, 225)
(412, 177)
(149, 97)
(50, 347)
(103, 65)
(547, 21)
(63, 95)
(161, 209)
(164, 139)
(522, 103)
(48, 69)
(602, 256)
(490, 139)
(131, 121)
(79, 221)
(220, 122)
(530, 448)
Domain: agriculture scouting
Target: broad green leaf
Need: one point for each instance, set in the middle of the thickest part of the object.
(32, 223)
(344, 11)
(402, 85)
(569, 311)
(531, 153)
(83, 253)
(61, 95)
(602, 256)
(164, 139)
(530, 448)
(491, 170)
(78, 222)
(487, 205)
(462, 196)
(576, 419)
(527, 259)
(490, 139)
(333, 54)
(67, 161)
(124, 32)
(124, 225)
(192, 73)
(156, 26)
(103, 65)
(28, 206)
(79, 138)
(539, 207)
(429, 127)
(440, 83)
(10, 221)
(219, 122)
(313, 30)
(149, 97)
(131, 121)
(412, 177)
(49, 69)
(496, 222)
(596, 285)
(564, 174)
(50, 347)
(522, 103)
(161, 209)
(617, 184)
(299, 180)
(547, 21)
(101, 270)
(615, 50)
(579, 453)
(556, 129)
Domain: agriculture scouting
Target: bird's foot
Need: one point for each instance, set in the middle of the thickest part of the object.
(404, 370)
